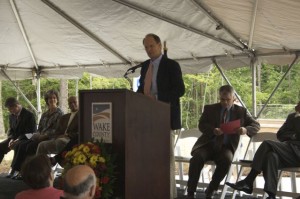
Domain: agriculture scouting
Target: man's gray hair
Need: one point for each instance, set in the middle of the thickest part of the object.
(81, 188)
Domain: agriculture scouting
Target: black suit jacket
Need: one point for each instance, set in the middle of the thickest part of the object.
(170, 86)
(25, 124)
(73, 128)
(210, 119)
(290, 130)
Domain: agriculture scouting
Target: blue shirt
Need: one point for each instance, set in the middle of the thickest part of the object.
(155, 64)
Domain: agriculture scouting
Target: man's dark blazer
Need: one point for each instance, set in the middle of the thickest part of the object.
(170, 86)
(73, 128)
(25, 124)
(290, 133)
(210, 119)
(290, 130)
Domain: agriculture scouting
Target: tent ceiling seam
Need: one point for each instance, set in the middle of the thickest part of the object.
(18, 89)
(22, 29)
(84, 30)
(219, 23)
(233, 56)
(251, 34)
(199, 32)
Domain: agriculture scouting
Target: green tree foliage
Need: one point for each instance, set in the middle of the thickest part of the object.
(201, 89)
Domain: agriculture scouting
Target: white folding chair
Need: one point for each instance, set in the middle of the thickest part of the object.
(247, 160)
(183, 156)
(294, 193)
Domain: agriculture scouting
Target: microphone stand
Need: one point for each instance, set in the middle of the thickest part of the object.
(131, 71)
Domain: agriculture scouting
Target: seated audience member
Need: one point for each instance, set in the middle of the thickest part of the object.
(80, 183)
(46, 130)
(38, 175)
(273, 155)
(67, 129)
(59, 158)
(214, 144)
(21, 122)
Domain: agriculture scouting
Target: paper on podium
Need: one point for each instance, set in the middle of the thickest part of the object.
(231, 127)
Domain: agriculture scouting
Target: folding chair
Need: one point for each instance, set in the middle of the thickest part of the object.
(294, 192)
(193, 135)
(248, 156)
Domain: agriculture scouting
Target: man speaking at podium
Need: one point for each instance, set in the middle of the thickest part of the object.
(161, 79)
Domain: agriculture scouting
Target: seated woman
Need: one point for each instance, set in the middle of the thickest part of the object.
(38, 175)
(46, 130)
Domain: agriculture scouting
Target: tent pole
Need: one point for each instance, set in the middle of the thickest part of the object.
(38, 95)
(218, 23)
(25, 37)
(228, 82)
(253, 68)
(19, 90)
(85, 30)
(76, 88)
(275, 89)
(181, 25)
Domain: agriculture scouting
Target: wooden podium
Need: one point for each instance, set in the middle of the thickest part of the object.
(140, 139)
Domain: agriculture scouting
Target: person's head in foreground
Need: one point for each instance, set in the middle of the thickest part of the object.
(80, 183)
(37, 172)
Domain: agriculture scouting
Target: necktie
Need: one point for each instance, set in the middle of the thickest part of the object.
(225, 116)
(148, 80)
(222, 139)
(225, 120)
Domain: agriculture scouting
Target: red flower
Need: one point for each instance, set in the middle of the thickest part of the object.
(105, 180)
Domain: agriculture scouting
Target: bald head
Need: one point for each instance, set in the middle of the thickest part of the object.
(80, 183)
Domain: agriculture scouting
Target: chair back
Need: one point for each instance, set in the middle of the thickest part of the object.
(190, 133)
(256, 140)
(186, 140)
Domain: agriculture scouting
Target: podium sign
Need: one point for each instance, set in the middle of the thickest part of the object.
(138, 130)
(102, 122)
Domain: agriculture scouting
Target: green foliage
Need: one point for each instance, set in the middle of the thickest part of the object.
(201, 89)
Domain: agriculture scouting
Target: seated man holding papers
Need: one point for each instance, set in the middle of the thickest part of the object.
(221, 125)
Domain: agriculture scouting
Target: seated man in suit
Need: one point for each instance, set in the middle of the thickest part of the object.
(67, 129)
(21, 122)
(214, 144)
(273, 155)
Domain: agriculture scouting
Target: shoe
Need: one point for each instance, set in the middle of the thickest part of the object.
(209, 192)
(15, 174)
(18, 177)
(11, 173)
(270, 197)
(191, 195)
(241, 186)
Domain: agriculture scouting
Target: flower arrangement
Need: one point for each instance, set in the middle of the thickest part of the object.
(97, 157)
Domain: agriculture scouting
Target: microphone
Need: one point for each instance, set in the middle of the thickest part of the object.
(132, 69)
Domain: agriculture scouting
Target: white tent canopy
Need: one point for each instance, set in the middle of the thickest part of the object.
(64, 38)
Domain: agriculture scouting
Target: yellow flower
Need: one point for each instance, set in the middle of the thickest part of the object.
(81, 158)
(93, 160)
(68, 154)
(101, 159)
(75, 161)
(86, 149)
(80, 146)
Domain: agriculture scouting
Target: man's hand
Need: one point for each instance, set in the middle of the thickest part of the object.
(35, 137)
(241, 131)
(218, 131)
(12, 143)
